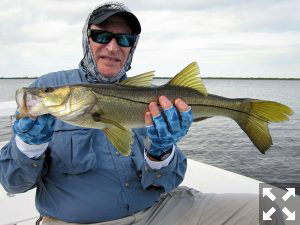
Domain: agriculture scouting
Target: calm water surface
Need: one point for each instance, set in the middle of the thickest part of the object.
(220, 141)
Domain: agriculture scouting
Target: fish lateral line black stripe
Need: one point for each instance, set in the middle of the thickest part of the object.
(124, 98)
(235, 110)
(146, 103)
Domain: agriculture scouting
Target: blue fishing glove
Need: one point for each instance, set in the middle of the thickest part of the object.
(166, 132)
(35, 132)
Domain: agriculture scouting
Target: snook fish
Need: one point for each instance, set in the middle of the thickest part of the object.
(117, 108)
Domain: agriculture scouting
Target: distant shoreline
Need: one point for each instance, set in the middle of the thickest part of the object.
(205, 78)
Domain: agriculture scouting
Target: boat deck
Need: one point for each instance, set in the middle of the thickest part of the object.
(20, 209)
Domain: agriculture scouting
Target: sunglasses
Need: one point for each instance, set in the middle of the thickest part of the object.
(104, 37)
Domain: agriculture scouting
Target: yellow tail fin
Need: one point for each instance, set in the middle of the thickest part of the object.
(255, 124)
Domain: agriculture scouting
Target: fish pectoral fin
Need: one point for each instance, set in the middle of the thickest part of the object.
(189, 78)
(119, 136)
(98, 118)
(121, 139)
(141, 80)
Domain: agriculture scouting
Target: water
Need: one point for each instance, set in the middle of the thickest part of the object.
(8, 87)
(219, 141)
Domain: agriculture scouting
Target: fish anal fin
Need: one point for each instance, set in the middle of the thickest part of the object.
(121, 139)
(141, 80)
(189, 77)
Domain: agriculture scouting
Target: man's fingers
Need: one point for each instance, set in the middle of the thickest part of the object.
(181, 105)
(165, 102)
(153, 108)
(148, 119)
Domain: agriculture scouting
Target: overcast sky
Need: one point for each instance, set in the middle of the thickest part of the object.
(228, 38)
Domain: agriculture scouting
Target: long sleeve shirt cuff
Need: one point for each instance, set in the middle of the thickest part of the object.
(32, 151)
(157, 165)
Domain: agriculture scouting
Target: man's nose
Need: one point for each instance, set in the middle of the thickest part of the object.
(112, 45)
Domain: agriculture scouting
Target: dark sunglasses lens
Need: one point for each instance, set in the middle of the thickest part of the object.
(101, 38)
(125, 40)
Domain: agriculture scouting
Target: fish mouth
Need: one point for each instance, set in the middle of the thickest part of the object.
(22, 110)
(20, 97)
(26, 102)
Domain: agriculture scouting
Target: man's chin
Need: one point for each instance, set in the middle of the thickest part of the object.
(108, 68)
(109, 73)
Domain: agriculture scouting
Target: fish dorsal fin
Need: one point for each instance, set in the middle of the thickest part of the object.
(141, 80)
(188, 77)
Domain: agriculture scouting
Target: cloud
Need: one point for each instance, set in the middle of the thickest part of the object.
(226, 37)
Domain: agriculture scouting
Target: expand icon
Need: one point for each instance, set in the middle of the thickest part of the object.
(290, 215)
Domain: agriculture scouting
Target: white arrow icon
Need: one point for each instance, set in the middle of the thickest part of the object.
(289, 193)
(267, 215)
(267, 192)
(290, 216)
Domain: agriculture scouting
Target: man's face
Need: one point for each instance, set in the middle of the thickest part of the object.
(110, 58)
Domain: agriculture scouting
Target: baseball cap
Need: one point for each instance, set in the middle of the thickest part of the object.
(104, 12)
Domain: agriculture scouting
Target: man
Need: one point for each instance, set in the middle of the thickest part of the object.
(82, 179)
(79, 175)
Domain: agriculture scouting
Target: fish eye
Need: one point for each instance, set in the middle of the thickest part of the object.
(48, 90)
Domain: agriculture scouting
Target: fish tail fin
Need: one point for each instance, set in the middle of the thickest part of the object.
(255, 122)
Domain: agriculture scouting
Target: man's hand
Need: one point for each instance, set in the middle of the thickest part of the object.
(164, 132)
(35, 131)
